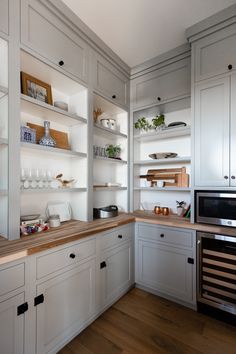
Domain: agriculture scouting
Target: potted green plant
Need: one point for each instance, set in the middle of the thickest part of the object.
(142, 124)
(113, 151)
(158, 122)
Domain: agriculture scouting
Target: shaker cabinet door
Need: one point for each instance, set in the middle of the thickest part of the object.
(4, 15)
(46, 34)
(211, 133)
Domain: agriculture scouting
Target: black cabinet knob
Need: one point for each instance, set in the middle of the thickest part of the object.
(226, 177)
(72, 255)
(103, 265)
(233, 177)
(158, 98)
(120, 236)
(113, 96)
(61, 63)
(162, 235)
(230, 67)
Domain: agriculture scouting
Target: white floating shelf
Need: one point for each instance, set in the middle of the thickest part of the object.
(111, 189)
(107, 159)
(168, 133)
(49, 112)
(166, 189)
(52, 150)
(3, 141)
(100, 130)
(52, 190)
(183, 159)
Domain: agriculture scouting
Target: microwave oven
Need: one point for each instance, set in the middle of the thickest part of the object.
(215, 207)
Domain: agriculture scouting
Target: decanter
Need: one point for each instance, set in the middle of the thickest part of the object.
(47, 140)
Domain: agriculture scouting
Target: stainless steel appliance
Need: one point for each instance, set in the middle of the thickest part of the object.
(105, 212)
(216, 276)
(215, 207)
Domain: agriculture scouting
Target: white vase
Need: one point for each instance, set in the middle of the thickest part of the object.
(180, 211)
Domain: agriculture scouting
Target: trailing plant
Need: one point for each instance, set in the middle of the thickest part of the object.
(180, 204)
(113, 151)
(142, 124)
(158, 121)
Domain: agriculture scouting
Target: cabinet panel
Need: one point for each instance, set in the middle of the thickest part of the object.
(4, 13)
(215, 52)
(117, 237)
(12, 278)
(68, 303)
(47, 35)
(165, 269)
(162, 85)
(110, 82)
(12, 326)
(212, 133)
(233, 132)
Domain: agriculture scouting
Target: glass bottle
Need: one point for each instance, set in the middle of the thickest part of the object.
(47, 140)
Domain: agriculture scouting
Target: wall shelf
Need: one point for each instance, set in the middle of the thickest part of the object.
(108, 159)
(111, 189)
(52, 150)
(164, 134)
(182, 159)
(163, 189)
(53, 190)
(49, 112)
(100, 130)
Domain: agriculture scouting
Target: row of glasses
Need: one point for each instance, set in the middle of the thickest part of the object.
(36, 178)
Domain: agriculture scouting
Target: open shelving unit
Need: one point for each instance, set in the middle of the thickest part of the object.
(71, 162)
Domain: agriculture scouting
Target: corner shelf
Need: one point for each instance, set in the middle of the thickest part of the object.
(111, 189)
(163, 189)
(106, 131)
(52, 190)
(52, 150)
(110, 160)
(168, 133)
(182, 159)
(48, 111)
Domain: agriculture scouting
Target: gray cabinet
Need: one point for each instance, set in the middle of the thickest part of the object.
(46, 34)
(164, 84)
(215, 54)
(4, 14)
(110, 82)
(165, 262)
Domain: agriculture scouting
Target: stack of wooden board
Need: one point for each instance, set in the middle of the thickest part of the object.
(172, 177)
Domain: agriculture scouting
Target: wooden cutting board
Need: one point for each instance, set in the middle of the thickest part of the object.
(61, 138)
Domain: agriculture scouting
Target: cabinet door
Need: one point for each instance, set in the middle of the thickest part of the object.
(46, 34)
(233, 132)
(214, 53)
(12, 326)
(162, 85)
(110, 82)
(211, 133)
(117, 275)
(4, 11)
(68, 303)
(165, 269)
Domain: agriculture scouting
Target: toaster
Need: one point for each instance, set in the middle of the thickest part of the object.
(105, 212)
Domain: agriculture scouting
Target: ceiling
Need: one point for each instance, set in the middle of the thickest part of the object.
(138, 30)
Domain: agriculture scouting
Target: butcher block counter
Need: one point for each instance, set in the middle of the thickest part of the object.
(76, 230)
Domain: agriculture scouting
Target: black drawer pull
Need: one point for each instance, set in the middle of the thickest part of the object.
(233, 177)
(162, 235)
(190, 260)
(230, 66)
(61, 63)
(120, 236)
(158, 98)
(72, 255)
(22, 309)
(114, 97)
(103, 265)
(226, 177)
(38, 300)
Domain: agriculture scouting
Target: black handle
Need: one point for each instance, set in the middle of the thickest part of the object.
(103, 265)
(38, 300)
(72, 255)
(158, 98)
(120, 236)
(113, 96)
(226, 177)
(22, 309)
(61, 63)
(233, 177)
(230, 67)
(190, 260)
(162, 235)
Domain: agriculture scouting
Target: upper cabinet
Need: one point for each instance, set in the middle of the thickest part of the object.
(110, 82)
(46, 34)
(167, 83)
(4, 12)
(215, 54)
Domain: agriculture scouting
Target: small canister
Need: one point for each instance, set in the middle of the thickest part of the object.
(157, 209)
(54, 220)
(166, 211)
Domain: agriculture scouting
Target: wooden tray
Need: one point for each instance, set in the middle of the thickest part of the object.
(60, 137)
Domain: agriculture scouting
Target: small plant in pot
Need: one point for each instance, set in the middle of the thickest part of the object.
(142, 124)
(113, 151)
(158, 122)
(180, 207)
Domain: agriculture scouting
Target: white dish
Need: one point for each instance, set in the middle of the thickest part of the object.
(63, 209)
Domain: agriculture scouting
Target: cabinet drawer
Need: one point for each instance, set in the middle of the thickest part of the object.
(4, 14)
(12, 278)
(110, 82)
(162, 85)
(214, 53)
(165, 235)
(46, 34)
(115, 238)
(60, 259)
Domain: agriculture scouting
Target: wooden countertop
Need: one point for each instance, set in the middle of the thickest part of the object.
(76, 230)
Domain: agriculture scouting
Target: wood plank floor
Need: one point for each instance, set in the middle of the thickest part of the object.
(147, 324)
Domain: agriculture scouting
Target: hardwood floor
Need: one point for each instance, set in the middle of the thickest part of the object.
(147, 324)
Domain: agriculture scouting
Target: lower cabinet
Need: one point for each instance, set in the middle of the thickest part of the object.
(164, 266)
(12, 325)
(66, 302)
